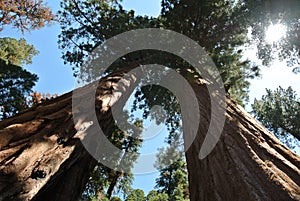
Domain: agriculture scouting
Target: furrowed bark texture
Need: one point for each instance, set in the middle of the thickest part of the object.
(42, 158)
(41, 155)
(248, 162)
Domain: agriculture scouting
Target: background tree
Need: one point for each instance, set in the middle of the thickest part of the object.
(115, 198)
(15, 82)
(25, 15)
(279, 111)
(15, 85)
(136, 195)
(104, 181)
(16, 52)
(154, 195)
(171, 164)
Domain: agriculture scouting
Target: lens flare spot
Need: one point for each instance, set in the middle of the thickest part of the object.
(275, 32)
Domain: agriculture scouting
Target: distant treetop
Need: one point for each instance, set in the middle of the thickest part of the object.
(25, 15)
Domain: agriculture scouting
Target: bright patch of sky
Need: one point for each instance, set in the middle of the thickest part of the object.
(275, 32)
(278, 74)
(143, 7)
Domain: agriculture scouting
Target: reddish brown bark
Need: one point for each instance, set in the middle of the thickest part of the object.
(248, 163)
(42, 158)
(41, 155)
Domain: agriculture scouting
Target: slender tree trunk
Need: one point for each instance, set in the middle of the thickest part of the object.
(117, 175)
(42, 158)
(113, 184)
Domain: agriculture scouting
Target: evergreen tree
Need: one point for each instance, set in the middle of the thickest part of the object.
(115, 198)
(136, 195)
(154, 195)
(173, 178)
(259, 15)
(105, 181)
(15, 85)
(16, 52)
(15, 82)
(89, 24)
(279, 111)
(219, 26)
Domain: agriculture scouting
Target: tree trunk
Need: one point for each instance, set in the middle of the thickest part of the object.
(41, 155)
(37, 160)
(42, 158)
(248, 162)
(113, 183)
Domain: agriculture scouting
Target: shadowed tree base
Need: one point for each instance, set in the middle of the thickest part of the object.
(42, 158)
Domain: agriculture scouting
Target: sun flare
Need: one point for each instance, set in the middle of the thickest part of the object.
(275, 32)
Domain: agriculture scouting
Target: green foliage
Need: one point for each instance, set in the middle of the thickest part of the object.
(173, 179)
(180, 193)
(157, 196)
(279, 111)
(218, 27)
(15, 85)
(115, 198)
(136, 195)
(15, 82)
(215, 25)
(87, 24)
(16, 52)
(105, 181)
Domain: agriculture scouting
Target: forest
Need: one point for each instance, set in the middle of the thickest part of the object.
(179, 81)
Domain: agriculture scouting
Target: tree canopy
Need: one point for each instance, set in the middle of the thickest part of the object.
(25, 15)
(15, 82)
(268, 12)
(279, 111)
(16, 52)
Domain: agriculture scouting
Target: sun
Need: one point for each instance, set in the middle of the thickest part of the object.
(275, 32)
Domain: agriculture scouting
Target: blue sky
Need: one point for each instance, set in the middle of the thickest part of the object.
(55, 77)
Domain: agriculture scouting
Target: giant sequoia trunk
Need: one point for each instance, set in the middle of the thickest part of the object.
(248, 162)
(42, 158)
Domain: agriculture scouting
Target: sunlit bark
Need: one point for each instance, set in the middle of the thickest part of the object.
(42, 158)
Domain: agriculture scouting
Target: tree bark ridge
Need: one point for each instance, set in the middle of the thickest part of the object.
(248, 163)
(42, 157)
